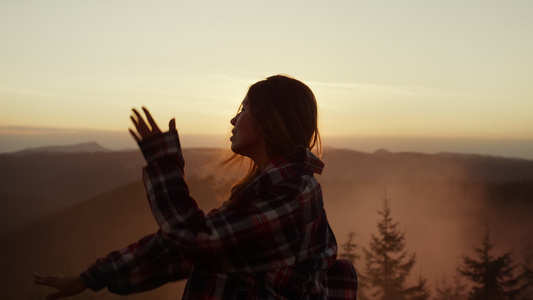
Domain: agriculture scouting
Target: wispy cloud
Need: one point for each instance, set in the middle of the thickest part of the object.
(367, 89)
(381, 90)
(240, 80)
(375, 89)
(40, 93)
(27, 130)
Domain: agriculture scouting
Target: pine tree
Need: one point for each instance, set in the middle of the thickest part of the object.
(527, 270)
(419, 291)
(493, 277)
(443, 290)
(459, 287)
(451, 291)
(350, 249)
(350, 252)
(387, 264)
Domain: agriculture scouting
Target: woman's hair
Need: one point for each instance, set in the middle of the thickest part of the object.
(286, 113)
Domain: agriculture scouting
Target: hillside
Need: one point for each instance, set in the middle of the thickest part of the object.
(36, 184)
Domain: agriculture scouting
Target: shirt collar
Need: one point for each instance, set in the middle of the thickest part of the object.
(300, 158)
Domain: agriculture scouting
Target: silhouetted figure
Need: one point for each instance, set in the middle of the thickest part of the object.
(271, 238)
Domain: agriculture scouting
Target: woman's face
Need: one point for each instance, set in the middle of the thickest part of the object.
(246, 138)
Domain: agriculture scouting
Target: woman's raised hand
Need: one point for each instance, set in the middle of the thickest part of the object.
(145, 130)
(67, 286)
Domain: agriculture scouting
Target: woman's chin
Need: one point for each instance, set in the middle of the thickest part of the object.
(234, 148)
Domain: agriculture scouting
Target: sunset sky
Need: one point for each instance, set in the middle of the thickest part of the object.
(403, 75)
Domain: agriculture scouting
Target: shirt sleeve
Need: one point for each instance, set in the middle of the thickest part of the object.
(263, 230)
(147, 264)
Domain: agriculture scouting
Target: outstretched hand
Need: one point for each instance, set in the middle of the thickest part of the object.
(67, 286)
(145, 130)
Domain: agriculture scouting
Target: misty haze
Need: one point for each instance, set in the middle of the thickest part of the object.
(64, 207)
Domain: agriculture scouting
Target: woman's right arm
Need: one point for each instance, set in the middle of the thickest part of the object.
(147, 264)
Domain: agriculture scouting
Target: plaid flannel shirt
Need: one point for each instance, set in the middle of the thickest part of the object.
(271, 241)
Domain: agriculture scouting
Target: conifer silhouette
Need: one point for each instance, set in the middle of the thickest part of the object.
(420, 290)
(451, 291)
(493, 278)
(387, 264)
(350, 249)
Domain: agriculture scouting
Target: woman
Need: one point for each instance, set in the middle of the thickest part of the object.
(270, 240)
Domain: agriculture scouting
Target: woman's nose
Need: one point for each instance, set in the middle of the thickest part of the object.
(234, 120)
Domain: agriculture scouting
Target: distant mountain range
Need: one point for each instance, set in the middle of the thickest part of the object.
(78, 148)
(383, 165)
(61, 209)
(38, 181)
